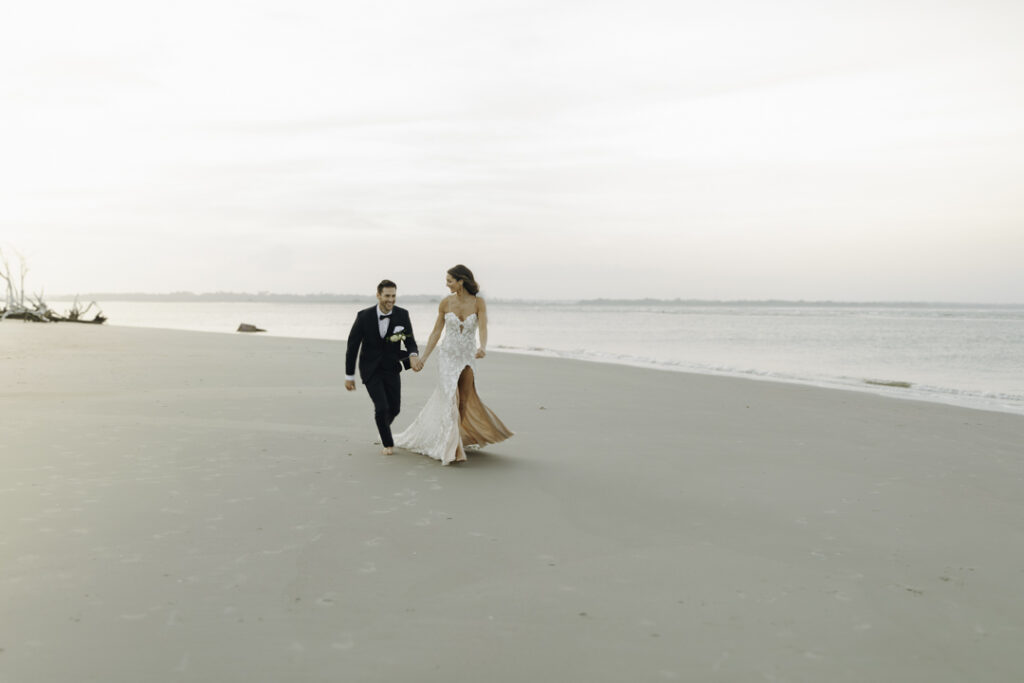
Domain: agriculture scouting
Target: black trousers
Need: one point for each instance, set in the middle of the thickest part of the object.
(385, 390)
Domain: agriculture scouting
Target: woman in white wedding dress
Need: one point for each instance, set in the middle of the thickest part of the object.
(454, 417)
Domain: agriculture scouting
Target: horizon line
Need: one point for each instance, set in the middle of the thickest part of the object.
(327, 297)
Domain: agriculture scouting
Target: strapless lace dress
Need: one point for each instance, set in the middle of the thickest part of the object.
(452, 420)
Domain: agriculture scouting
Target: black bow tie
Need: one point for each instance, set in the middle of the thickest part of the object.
(385, 316)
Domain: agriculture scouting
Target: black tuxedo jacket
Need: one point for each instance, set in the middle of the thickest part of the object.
(378, 355)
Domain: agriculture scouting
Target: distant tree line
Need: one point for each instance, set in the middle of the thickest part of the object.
(243, 296)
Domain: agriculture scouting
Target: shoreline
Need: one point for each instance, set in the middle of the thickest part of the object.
(888, 388)
(879, 386)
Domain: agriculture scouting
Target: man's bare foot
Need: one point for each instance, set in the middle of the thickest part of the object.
(388, 451)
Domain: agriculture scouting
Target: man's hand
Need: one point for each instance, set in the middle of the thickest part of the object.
(350, 384)
(416, 363)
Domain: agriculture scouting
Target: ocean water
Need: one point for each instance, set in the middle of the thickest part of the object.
(970, 355)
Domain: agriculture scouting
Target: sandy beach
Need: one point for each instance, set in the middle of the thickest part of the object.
(183, 506)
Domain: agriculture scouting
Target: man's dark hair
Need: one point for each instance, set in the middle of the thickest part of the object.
(384, 284)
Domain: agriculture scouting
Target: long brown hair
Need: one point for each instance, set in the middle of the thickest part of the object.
(465, 276)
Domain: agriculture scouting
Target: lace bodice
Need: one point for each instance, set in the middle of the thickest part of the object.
(457, 349)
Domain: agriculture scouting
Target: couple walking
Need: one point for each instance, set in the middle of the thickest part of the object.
(454, 417)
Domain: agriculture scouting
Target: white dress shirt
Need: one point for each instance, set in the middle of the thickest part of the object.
(383, 322)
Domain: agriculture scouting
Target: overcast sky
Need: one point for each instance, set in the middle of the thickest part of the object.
(869, 150)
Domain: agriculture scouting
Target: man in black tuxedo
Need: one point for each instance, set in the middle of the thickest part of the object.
(380, 331)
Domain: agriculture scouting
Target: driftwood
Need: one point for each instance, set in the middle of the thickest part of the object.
(75, 315)
(246, 327)
(35, 309)
(44, 314)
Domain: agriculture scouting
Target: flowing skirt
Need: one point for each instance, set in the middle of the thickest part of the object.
(453, 419)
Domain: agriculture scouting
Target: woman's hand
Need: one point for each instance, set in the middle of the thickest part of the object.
(480, 353)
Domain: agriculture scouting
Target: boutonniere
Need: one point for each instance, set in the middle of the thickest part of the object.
(397, 337)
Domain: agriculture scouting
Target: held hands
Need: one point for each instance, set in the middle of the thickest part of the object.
(416, 363)
(480, 353)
